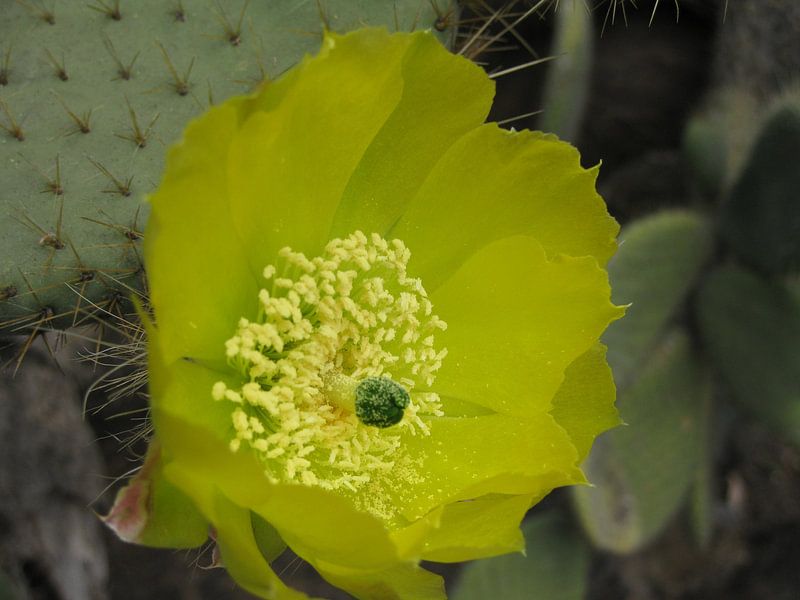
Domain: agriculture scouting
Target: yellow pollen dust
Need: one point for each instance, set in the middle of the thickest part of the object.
(324, 324)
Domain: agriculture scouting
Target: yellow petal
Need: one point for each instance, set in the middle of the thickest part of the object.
(411, 538)
(444, 96)
(151, 511)
(289, 165)
(196, 266)
(402, 582)
(183, 391)
(492, 184)
(234, 536)
(479, 528)
(316, 523)
(467, 458)
(322, 525)
(515, 322)
(584, 404)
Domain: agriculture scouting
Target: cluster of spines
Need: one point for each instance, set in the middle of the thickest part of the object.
(24, 300)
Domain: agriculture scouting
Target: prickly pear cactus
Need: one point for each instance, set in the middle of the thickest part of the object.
(92, 93)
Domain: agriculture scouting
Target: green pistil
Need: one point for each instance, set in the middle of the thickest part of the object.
(380, 402)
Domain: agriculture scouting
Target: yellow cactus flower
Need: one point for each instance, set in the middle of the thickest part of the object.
(376, 324)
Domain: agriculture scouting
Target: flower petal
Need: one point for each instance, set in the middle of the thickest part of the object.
(202, 453)
(443, 97)
(515, 322)
(466, 458)
(494, 183)
(292, 158)
(196, 266)
(318, 152)
(318, 525)
(182, 390)
(584, 404)
(314, 522)
(322, 525)
(237, 544)
(268, 171)
(410, 539)
(479, 528)
(398, 583)
(269, 541)
(196, 430)
(151, 511)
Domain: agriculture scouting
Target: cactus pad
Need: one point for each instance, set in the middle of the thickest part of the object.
(92, 93)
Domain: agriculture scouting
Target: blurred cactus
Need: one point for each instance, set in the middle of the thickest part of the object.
(702, 499)
(750, 323)
(705, 147)
(643, 472)
(91, 93)
(760, 220)
(659, 259)
(751, 330)
(555, 566)
(747, 325)
(567, 82)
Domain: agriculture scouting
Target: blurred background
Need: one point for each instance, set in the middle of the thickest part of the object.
(693, 108)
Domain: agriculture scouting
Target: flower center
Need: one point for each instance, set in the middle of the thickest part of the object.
(380, 402)
(329, 366)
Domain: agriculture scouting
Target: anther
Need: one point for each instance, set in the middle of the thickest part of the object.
(380, 402)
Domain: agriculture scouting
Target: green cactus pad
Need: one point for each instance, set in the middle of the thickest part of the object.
(92, 94)
(705, 148)
(760, 221)
(567, 83)
(555, 566)
(658, 261)
(642, 473)
(751, 328)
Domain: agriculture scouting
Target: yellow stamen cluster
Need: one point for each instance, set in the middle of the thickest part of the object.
(324, 324)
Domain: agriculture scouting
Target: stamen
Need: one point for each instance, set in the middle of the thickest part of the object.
(329, 364)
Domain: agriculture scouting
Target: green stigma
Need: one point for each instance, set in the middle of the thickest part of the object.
(380, 402)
